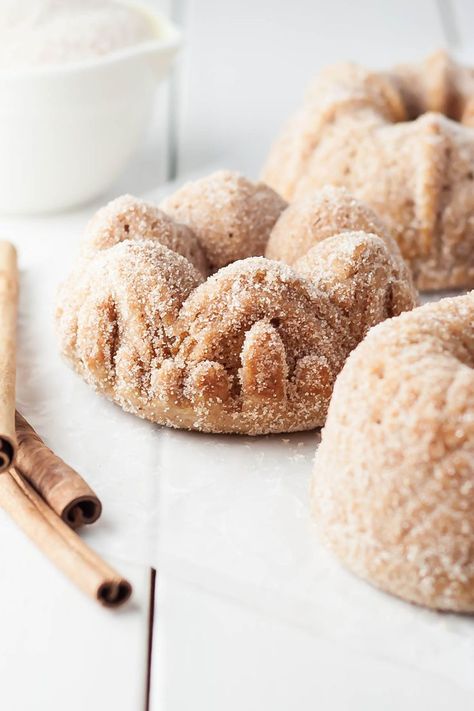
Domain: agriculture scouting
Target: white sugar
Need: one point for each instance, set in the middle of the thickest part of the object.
(48, 32)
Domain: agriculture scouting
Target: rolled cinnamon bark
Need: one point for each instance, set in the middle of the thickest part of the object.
(62, 546)
(60, 485)
(8, 316)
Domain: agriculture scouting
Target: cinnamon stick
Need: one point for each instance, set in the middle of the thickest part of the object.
(62, 546)
(8, 315)
(60, 485)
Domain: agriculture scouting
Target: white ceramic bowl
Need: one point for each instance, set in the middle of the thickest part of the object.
(66, 132)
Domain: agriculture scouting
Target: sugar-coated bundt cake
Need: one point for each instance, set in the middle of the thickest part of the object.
(231, 217)
(254, 348)
(393, 484)
(403, 142)
(327, 212)
(128, 218)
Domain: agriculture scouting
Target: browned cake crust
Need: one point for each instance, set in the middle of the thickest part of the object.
(393, 484)
(255, 347)
(403, 142)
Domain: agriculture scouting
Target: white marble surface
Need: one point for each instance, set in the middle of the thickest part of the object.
(215, 653)
(58, 648)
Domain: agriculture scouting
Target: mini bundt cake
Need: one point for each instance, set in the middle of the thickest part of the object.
(327, 212)
(128, 218)
(393, 483)
(403, 142)
(231, 217)
(254, 348)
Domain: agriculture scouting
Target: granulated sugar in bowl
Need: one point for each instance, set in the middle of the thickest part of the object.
(77, 81)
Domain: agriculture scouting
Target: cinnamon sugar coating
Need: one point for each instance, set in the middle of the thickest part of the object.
(129, 218)
(254, 348)
(324, 213)
(402, 142)
(231, 216)
(116, 313)
(393, 483)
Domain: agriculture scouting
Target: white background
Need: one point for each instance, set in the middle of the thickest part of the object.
(242, 620)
